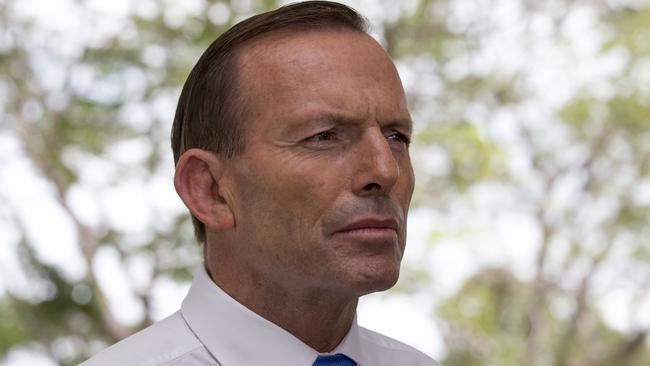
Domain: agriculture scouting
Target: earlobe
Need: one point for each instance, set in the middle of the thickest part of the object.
(198, 179)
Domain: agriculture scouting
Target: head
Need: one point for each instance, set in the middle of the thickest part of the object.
(210, 108)
(291, 144)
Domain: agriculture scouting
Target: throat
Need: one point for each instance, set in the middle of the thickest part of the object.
(318, 318)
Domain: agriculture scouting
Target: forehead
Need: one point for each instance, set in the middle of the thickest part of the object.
(286, 73)
(311, 50)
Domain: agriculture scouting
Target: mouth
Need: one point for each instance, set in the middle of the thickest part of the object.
(371, 229)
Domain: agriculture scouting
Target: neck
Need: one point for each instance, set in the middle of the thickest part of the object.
(316, 317)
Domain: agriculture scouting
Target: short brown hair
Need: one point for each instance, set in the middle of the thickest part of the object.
(209, 111)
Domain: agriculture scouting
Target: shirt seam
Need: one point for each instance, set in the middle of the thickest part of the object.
(196, 336)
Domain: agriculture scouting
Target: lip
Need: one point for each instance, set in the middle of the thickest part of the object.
(371, 225)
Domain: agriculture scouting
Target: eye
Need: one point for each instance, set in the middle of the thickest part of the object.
(323, 140)
(323, 136)
(399, 137)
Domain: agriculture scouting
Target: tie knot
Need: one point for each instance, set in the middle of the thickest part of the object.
(338, 359)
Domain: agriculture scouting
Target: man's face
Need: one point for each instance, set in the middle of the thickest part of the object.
(322, 189)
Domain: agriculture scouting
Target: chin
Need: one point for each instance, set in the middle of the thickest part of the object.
(362, 274)
(378, 279)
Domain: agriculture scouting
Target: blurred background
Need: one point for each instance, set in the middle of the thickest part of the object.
(529, 237)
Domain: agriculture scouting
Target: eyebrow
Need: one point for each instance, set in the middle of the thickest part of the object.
(332, 118)
(319, 119)
(335, 118)
(403, 122)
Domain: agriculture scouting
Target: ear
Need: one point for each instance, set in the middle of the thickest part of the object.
(198, 181)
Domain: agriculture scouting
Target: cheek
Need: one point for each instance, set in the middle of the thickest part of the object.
(292, 198)
(404, 186)
(307, 196)
(407, 177)
(410, 187)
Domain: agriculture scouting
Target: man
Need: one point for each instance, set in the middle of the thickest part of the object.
(291, 145)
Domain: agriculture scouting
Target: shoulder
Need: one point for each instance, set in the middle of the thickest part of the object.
(393, 352)
(159, 344)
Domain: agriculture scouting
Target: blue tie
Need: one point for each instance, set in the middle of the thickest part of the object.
(338, 359)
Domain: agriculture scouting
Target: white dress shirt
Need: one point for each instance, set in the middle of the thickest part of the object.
(213, 329)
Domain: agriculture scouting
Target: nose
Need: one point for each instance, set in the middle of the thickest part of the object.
(377, 167)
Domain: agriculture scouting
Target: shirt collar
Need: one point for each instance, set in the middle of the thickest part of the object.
(235, 335)
(351, 345)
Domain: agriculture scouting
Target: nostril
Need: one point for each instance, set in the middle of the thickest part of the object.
(372, 187)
